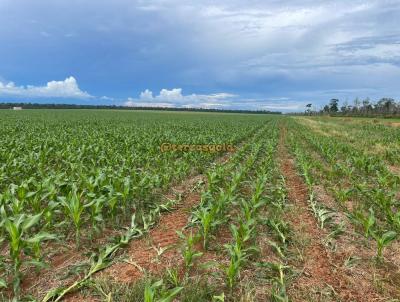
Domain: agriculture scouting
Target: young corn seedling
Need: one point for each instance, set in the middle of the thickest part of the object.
(259, 188)
(280, 228)
(396, 220)
(97, 263)
(247, 208)
(383, 200)
(207, 219)
(237, 251)
(188, 251)
(213, 179)
(279, 194)
(157, 292)
(15, 204)
(173, 276)
(279, 289)
(367, 222)
(323, 214)
(17, 230)
(112, 202)
(237, 259)
(277, 248)
(96, 212)
(383, 240)
(74, 208)
(243, 233)
(131, 232)
(343, 195)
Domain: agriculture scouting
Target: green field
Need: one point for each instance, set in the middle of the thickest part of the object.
(305, 209)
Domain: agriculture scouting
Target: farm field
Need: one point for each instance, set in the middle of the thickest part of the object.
(303, 209)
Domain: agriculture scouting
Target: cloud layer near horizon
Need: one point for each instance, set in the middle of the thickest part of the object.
(53, 89)
(176, 98)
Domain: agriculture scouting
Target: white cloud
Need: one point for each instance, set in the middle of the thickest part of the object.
(287, 106)
(140, 103)
(171, 95)
(175, 98)
(146, 95)
(58, 89)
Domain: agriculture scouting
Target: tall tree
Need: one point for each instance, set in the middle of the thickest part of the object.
(308, 110)
(333, 105)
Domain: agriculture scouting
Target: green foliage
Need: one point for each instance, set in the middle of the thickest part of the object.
(383, 240)
(82, 172)
(156, 292)
(188, 250)
(23, 241)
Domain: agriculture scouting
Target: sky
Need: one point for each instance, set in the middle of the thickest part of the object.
(227, 54)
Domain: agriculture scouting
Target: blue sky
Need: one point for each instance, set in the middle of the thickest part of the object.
(255, 54)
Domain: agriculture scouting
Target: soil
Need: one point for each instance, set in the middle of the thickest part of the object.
(142, 254)
(320, 279)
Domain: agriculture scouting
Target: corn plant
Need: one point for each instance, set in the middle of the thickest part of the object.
(383, 240)
(96, 207)
(258, 189)
(279, 194)
(74, 207)
(237, 259)
(21, 241)
(367, 222)
(173, 276)
(278, 293)
(238, 251)
(207, 218)
(342, 195)
(156, 292)
(188, 250)
(104, 173)
(244, 233)
(280, 228)
(97, 263)
(213, 179)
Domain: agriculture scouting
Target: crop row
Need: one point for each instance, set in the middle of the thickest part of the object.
(67, 175)
(360, 182)
(241, 196)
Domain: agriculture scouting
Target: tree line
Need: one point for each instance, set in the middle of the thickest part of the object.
(116, 107)
(386, 107)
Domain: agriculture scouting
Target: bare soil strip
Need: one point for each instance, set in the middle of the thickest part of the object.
(319, 275)
(157, 250)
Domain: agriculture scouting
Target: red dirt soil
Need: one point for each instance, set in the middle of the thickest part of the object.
(143, 252)
(318, 271)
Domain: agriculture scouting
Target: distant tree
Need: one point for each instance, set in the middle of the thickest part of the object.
(357, 103)
(308, 110)
(366, 107)
(387, 105)
(333, 105)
